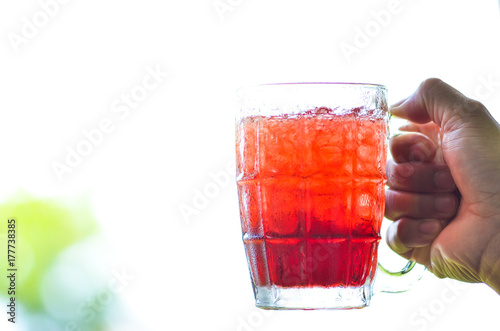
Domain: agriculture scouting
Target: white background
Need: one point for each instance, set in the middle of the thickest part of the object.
(190, 272)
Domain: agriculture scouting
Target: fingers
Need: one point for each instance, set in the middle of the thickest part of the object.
(420, 177)
(430, 129)
(413, 147)
(412, 173)
(436, 101)
(411, 238)
(400, 204)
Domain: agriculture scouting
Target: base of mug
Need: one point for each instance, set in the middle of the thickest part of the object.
(306, 298)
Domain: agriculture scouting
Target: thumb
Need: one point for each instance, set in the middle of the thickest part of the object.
(436, 101)
(469, 136)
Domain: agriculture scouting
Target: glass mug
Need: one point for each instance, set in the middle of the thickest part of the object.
(311, 178)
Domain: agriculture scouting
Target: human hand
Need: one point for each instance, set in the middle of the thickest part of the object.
(444, 185)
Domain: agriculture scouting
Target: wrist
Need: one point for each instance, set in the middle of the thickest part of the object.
(490, 264)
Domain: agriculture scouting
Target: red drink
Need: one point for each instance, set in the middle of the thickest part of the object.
(311, 192)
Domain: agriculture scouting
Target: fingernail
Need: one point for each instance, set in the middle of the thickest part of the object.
(444, 203)
(397, 104)
(444, 179)
(419, 149)
(405, 170)
(405, 126)
(430, 227)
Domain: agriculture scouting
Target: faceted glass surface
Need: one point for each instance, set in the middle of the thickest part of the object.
(311, 192)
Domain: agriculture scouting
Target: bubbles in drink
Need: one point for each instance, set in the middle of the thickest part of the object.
(311, 192)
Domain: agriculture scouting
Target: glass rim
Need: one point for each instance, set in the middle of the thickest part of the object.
(358, 84)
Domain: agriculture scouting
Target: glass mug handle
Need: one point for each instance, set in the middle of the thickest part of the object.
(406, 273)
(407, 268)
(395, 274)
